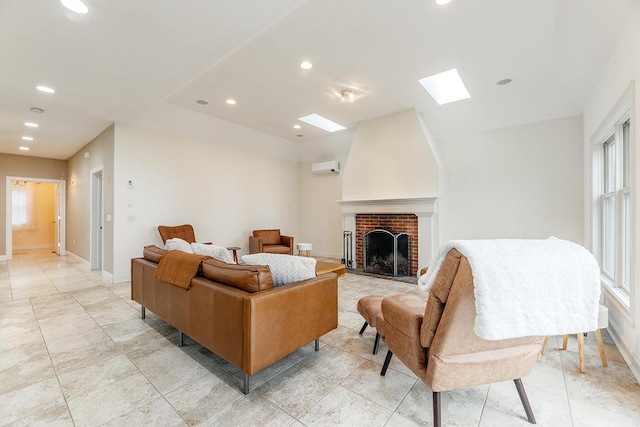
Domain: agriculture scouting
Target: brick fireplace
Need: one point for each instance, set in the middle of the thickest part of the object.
(395, 224)
(415, 216)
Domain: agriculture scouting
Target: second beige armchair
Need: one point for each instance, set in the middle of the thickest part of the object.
(270, 241)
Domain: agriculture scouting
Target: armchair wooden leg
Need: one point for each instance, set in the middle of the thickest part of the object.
(581, 352)
(437, 415)
(386, 363)
(376, 344)
(603, 357)
(363, 328)
(545, 344)
(565, 339)
(524, 400)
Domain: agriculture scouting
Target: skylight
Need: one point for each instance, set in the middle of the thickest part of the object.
(445, 87)
(322, 123)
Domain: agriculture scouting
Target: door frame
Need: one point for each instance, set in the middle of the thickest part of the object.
(62, 196)
(96, 216)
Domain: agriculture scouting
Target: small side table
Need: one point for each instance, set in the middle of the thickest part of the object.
(304, 249)
(234, 249)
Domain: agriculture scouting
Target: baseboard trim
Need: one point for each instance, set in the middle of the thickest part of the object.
(625, 350)
(4, 258)
(27, 247)
(107, 276)
(81, 261)
(121, 279)
(326, 255)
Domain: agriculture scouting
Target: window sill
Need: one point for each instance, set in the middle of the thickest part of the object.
(619, 297)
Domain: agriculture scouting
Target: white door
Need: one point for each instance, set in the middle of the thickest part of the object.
(97, 216)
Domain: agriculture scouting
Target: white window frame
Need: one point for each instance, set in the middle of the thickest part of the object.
(612, 126)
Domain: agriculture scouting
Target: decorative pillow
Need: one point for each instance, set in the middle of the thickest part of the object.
(284, 268)
(177, 244)
(214, 251)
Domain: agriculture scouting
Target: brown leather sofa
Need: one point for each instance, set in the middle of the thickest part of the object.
(235, 311)
(436, 339)
(270, 241)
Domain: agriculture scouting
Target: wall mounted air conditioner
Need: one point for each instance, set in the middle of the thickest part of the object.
(326, 167)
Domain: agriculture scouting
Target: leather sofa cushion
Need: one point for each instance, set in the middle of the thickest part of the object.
(269, 237)
(249, 278)
(153, 253)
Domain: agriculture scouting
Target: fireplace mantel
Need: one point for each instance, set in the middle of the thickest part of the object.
(425, 208)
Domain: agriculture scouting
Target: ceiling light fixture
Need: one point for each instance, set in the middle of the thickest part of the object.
(504, 82)
(348, 95)
(297, 126)
(202, 102)
(36, 110)
(27, 138)
(231, 101)
(442, 2)
(45, 89)
(31, 125)
(445, 87)
(75, 6)
(322, 123)
(23, 148)
(306, 65)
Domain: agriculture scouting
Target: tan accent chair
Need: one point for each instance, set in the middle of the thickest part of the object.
(437, 342)
(184, 232)
(270, 241)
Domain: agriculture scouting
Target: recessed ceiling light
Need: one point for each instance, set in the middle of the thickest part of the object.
(322, 123)
(297, 126)
(31, 125)
(37, 110)
(442, 2)
(445, 87)
(306, 65)
(23, 148)
(75, 6)
(27, 138)
(231, 101)
(504, 82)
(202, 102)
(45, 89)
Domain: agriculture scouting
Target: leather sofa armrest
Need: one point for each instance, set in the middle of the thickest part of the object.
(287, 241)
(404, 313)
(255, 245)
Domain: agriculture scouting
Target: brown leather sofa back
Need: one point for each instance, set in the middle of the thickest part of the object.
(153, 253)
(249, 278)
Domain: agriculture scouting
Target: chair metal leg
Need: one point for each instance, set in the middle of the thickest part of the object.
(437, 414)
(180, 339)
(525, 400)
(143, 312)
(246, 384)
(317, 345)
(376, 344)
(386, 363)
(363, 328)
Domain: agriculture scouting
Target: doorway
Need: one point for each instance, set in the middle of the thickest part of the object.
(97, 215)
(35, 225)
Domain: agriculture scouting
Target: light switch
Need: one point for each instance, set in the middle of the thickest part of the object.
(131, 218)
(108, 217)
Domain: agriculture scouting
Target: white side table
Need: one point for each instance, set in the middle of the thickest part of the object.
(304, 249)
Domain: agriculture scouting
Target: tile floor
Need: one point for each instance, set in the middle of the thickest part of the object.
(74, 351)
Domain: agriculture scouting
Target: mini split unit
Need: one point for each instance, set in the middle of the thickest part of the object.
(326, 167)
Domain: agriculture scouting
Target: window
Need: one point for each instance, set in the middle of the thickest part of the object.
(613, 242)
(23, 197)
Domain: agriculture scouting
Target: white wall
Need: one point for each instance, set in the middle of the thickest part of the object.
(622, 68)
(517, 182)
(224, 192)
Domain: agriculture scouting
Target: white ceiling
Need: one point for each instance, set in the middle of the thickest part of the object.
(126, 57)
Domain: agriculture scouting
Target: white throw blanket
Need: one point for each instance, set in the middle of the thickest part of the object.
(528, 287)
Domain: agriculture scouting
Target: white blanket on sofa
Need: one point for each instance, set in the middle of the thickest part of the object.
(528, 287)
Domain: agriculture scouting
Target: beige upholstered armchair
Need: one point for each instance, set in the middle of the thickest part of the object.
(436, 339)
(270, 241)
